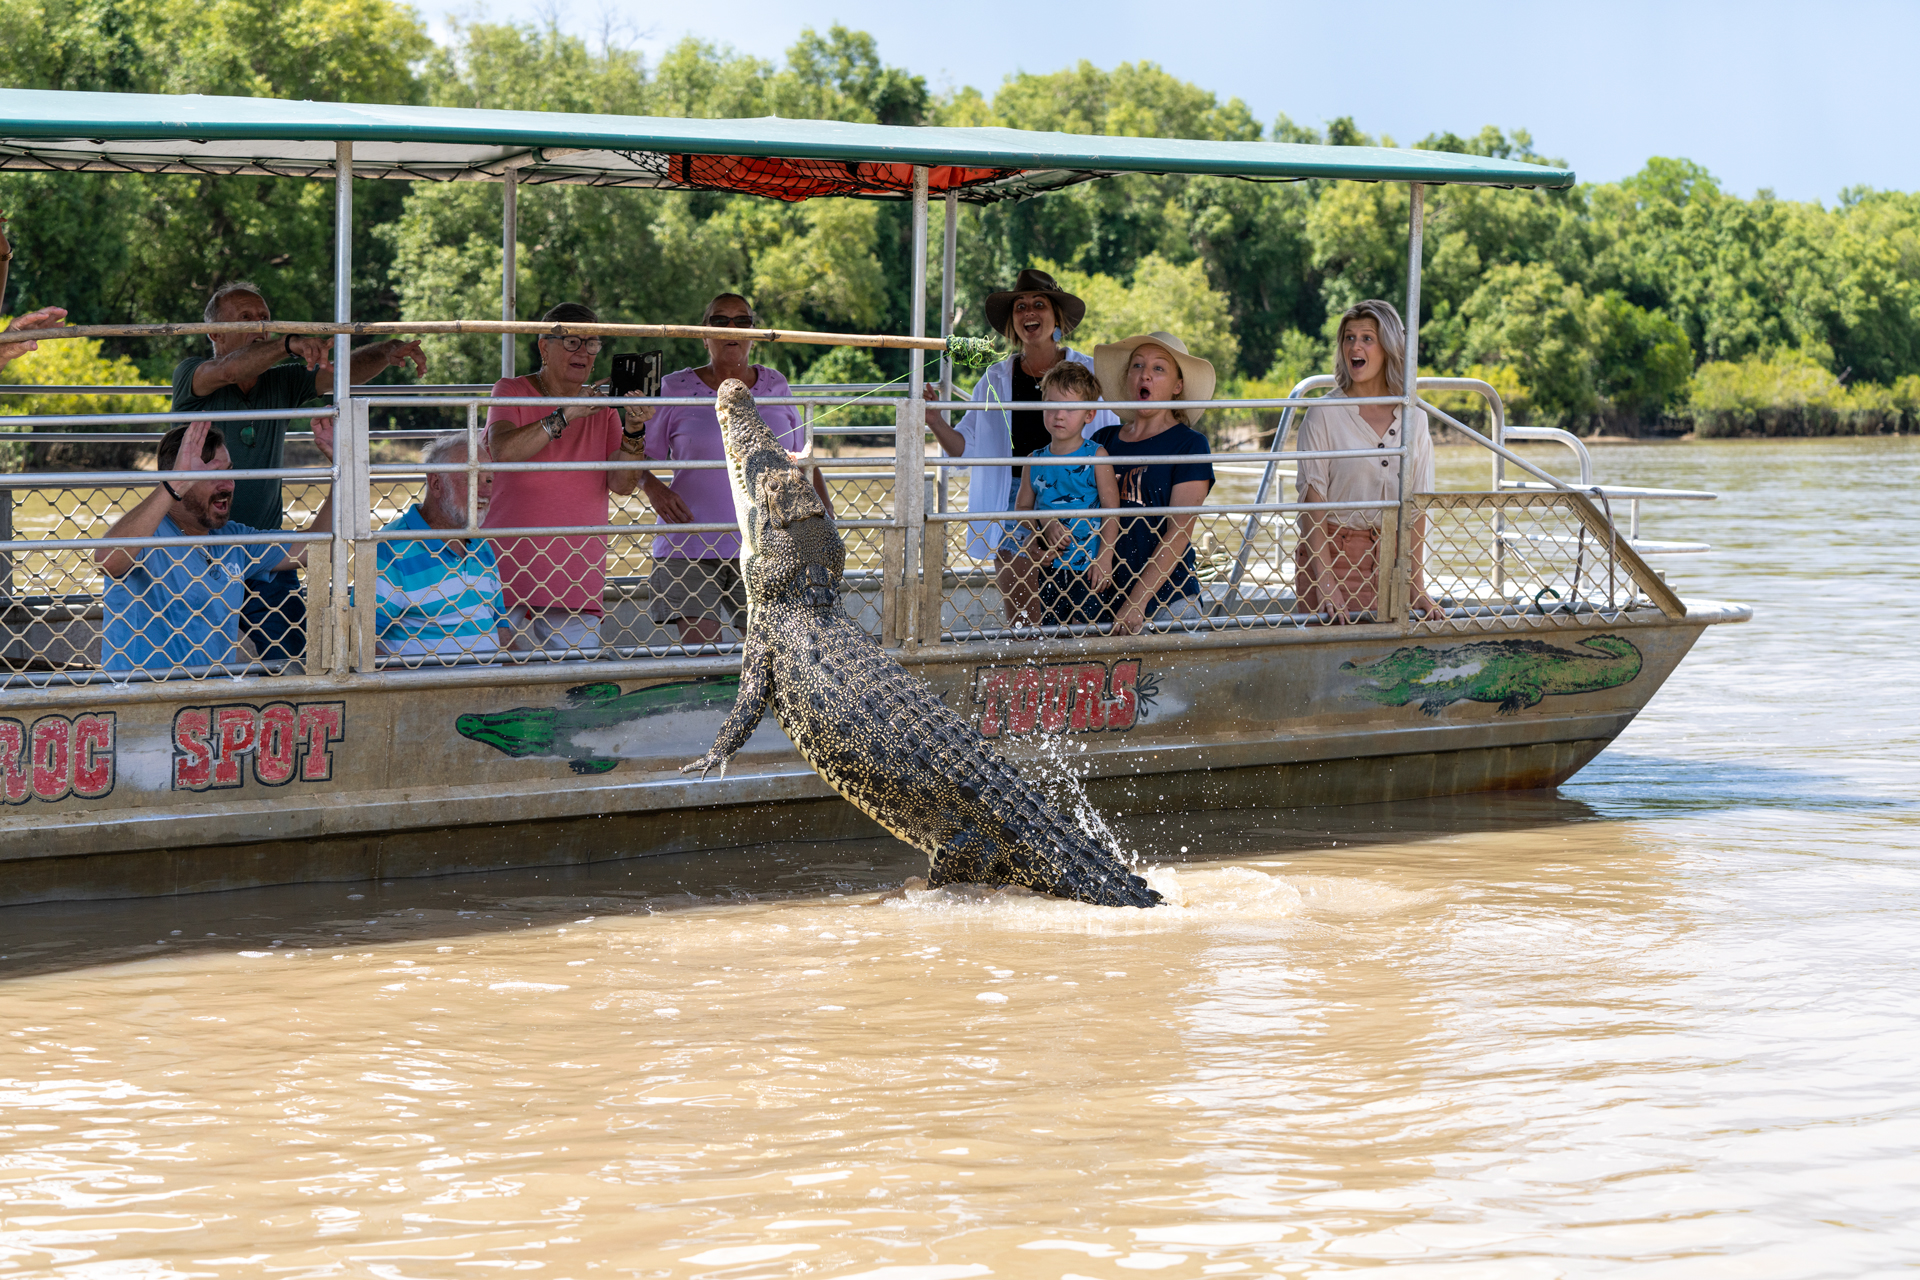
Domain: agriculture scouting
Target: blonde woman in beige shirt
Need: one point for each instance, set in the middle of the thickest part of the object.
(1341, 574)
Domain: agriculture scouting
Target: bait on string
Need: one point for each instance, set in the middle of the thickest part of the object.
(974, 353)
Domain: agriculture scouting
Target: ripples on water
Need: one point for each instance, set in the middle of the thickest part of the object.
(1659, 1022)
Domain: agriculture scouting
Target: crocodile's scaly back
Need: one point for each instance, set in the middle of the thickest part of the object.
(877, 735)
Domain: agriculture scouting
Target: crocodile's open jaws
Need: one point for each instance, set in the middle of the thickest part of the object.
(879, 736)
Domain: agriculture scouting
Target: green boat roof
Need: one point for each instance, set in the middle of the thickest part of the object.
(786, 159)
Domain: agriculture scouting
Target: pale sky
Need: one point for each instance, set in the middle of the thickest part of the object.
(1764, 94)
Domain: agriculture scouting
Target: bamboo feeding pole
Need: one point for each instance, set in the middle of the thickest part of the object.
(392, 328)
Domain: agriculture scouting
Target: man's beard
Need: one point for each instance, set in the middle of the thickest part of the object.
(200, 507)
(444, 512)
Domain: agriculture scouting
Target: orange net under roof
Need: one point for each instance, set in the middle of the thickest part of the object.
(785, 179)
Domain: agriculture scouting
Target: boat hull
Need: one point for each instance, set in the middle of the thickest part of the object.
(118, 792)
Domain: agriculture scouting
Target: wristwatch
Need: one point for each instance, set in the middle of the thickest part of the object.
(554, 423)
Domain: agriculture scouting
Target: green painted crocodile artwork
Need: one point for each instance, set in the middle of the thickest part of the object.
(1514, 674)
(590, 708)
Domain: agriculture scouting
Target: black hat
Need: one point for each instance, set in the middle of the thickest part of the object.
(1068, 309)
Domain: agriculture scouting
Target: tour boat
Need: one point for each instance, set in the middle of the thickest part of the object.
(349, 765)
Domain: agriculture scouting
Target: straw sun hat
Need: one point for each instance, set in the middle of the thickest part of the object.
(1110, 360)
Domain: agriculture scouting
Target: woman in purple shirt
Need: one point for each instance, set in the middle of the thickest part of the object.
(696, 575)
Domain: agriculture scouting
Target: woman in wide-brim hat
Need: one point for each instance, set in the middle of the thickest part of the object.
(1153, 570)
(1035, 316)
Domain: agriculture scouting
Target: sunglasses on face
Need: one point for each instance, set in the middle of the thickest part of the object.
(574, 344)
(730, 322)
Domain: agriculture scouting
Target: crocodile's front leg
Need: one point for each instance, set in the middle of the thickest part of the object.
(756, 690)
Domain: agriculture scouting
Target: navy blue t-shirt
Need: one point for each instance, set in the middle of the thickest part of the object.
(1152, 486)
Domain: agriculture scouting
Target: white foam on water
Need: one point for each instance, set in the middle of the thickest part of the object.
(1357, 896)
(1074, 1246)
(1193, 896)
(748, 1253)
(526, 986)
(1216, 1234)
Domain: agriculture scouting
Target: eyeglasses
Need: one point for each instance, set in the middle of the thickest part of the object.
(730, 322)
(574, 344)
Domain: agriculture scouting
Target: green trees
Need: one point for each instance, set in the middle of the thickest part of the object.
(1162, 296)
(151, 248)
(1616, 304)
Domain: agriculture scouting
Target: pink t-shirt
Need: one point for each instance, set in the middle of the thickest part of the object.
(692, 432)
(560, 572)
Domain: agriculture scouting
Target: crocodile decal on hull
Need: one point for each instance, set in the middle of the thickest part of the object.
(1514, 674)
(588, 708)
(875, 734)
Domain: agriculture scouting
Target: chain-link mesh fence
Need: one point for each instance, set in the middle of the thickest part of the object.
(1550, 559)
(76, 606)
(1034, 588)
(434, 593)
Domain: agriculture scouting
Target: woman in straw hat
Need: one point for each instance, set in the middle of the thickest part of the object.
(1340, 576)
(1035, 317)
(1153, 560)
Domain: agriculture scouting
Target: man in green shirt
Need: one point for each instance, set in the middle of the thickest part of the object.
(245, 372)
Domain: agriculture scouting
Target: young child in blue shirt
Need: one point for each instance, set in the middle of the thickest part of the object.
(1075, 556)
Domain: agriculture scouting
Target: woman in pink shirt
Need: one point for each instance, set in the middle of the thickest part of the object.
(553, 585)
(696, 575)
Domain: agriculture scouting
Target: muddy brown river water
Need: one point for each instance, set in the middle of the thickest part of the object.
(1659, 1023)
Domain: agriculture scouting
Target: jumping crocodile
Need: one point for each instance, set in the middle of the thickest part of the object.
(550, 731)
(875, 734)
(1516, 674)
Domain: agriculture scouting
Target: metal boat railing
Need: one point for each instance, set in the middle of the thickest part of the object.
(1535, 551)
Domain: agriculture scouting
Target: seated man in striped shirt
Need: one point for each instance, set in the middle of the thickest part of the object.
(440, 597)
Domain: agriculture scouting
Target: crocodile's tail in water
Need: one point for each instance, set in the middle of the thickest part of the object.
(1051, 857)
(1086, 872)
(1081, 880)
(1101, 880)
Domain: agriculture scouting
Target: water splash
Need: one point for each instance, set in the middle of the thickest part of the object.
(1053, 767)
(1193, 896)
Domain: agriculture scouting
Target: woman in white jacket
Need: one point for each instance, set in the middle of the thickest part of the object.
(1035, 316)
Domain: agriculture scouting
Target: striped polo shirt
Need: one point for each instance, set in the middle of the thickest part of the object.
(434, 602)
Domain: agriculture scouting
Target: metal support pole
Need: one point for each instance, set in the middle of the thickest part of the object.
(350, 448)
(1399, 606)
(916, 358)
(949, 258)
(509, 266)
(949, 264)
(6, 534)
(473, 466)
(909, 483)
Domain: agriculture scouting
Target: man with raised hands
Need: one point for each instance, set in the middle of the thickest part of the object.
(179, 606)
(266, 371)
